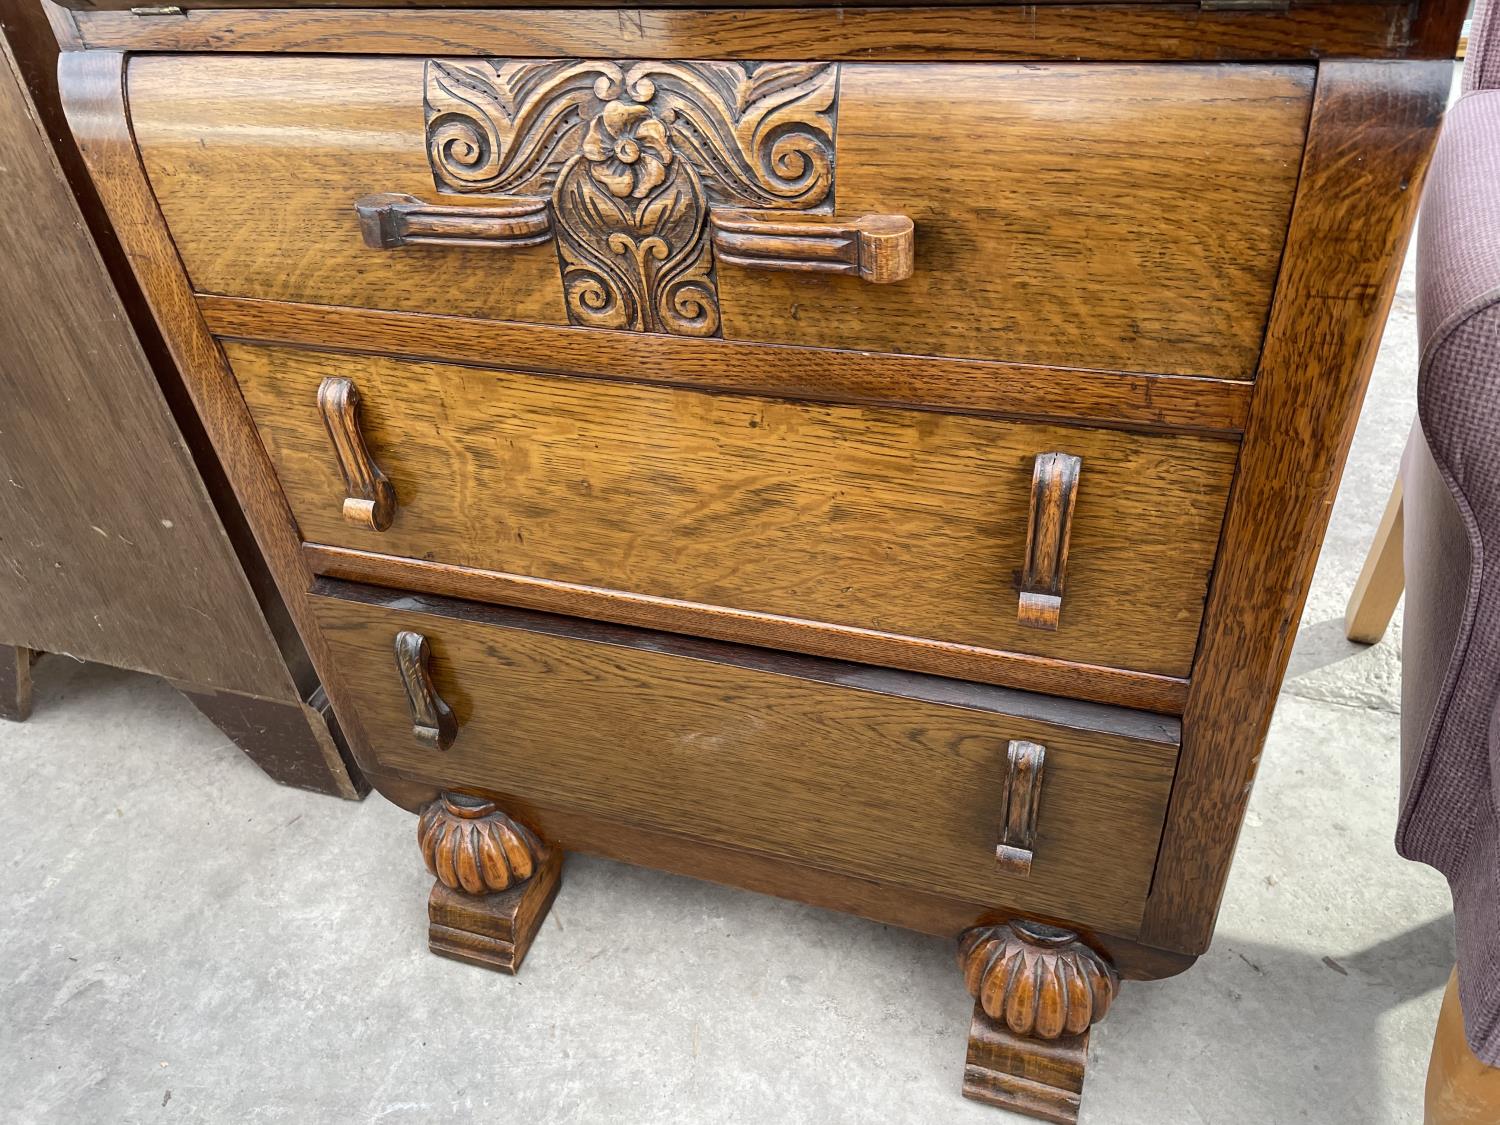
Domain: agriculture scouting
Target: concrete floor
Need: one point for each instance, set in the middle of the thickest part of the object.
(182, 940)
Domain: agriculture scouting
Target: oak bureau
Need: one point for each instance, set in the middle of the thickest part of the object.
(870, 455)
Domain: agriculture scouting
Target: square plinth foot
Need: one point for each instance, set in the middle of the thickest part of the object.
(1038, 1077)
(492, 931)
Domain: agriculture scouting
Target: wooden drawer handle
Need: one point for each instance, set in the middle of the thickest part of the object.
(371, 501)
(388, 221)
(1054, 492)
(1018, 807)
(432, 719)
(877, 248)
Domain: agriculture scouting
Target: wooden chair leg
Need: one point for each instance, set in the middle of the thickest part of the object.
(1461, 1090)
(15, 682)
(1381, 580)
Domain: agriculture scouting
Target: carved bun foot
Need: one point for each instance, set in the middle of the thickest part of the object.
(1037, 990)
(495, 882)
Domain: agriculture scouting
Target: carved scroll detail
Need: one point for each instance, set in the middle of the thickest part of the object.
(632, 156)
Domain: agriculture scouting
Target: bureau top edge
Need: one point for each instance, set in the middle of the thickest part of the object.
(140, 7)
(890, 31)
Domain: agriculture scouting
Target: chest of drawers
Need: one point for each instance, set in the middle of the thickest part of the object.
(875, 456)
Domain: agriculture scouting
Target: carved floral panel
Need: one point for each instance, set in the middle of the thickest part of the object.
(632, 156)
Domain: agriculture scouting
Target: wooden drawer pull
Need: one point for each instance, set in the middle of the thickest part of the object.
(877, 248)
(1054, 492)
(388, 221)
(432, 720)
(1018, 807)
(371, 501)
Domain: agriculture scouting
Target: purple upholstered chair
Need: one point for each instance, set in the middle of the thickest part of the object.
(1450, 705)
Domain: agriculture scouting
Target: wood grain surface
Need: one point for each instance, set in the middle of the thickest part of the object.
(696, 741)
(1106, 398)
(1068, 215)
(258, 163)
(1107, 32)
(1372, 129)
(903, 523)
(1077, 221)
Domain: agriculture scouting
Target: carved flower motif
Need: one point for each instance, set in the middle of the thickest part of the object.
(1035, 979)
(627, 150)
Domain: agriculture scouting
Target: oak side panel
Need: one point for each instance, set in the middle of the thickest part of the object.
(738, 749)
(1372, 129)
(898, 522)
(93, 94)
(1121, 217)
(1079, 220)
(1105, 398)
(110, 549)
(1020, 33)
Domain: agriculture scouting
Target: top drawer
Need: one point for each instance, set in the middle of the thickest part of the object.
(1125, 217)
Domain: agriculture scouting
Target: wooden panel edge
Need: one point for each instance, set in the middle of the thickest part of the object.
(1144, 691)
(1181, 403)
(1091, 32)
(1107, 686)
(64, 24)
(1372, 129)
(93, 91)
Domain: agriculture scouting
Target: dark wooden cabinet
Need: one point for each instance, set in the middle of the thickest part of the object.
(111, 546)
(872, 455)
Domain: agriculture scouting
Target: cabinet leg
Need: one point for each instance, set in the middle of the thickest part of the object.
(15, 682)
(495, 882)
(294, 743)
(1037, 990)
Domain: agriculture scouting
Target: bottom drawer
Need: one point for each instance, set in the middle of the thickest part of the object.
(891, 776)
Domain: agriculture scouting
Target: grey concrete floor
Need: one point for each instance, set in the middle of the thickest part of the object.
(182, 940)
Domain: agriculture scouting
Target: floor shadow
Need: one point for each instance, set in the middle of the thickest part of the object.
(1290, 1034)
(1320, 645)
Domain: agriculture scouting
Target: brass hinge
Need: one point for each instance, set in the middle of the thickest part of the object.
(158, 10)
(1244, 5)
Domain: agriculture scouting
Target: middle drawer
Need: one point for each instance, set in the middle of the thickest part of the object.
(885, 535)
